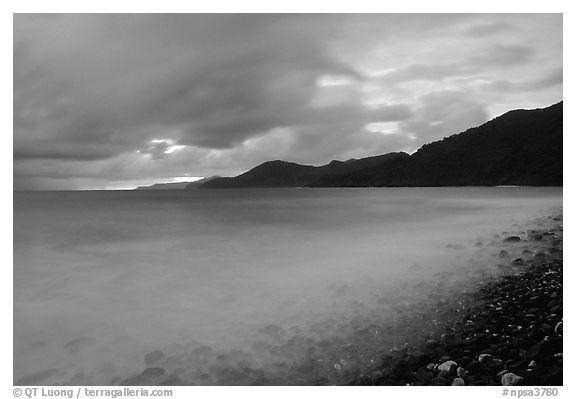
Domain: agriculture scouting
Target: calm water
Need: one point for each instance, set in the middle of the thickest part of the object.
(101, 278)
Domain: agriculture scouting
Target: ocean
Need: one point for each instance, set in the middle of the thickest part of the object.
(242, 286)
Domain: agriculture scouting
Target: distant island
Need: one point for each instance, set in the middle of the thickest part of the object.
(178, 185)
(518, 148)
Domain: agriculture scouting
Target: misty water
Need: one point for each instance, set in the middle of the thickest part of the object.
(241, 286)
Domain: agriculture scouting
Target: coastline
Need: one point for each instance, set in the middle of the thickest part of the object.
(474, 325)
(510, 332)
(434, 332)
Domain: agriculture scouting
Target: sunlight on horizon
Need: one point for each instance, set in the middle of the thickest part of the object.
(139, 183)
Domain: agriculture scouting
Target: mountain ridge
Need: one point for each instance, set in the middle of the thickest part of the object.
(519, 147)
(280, 173)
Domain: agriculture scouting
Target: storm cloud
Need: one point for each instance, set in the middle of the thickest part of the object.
(112, 101)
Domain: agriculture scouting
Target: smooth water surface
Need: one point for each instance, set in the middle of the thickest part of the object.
(103, 277)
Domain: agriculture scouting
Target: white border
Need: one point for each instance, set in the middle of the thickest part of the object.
(249, 6)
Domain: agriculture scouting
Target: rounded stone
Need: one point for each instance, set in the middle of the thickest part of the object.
(458, 382)
(511, 379)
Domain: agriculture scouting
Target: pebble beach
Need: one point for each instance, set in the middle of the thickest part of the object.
(500, 325)
(496, 318)
(510, 332)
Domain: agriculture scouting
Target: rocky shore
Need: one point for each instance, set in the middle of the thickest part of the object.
(496, 320)
(492, 318)
(510, 332)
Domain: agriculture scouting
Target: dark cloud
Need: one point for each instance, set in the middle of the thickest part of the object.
(553, 78)
(397, 112)
(243, 76)
(497, 56)
(104, 100)
(487, 29)
(62, 150)
(503, 55)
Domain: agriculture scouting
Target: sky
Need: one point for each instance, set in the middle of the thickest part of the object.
(114, 101)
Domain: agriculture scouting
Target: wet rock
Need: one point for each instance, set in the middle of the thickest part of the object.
(540, 255)
(517, 319)
(536, 237)
(558, 329)
(153, 358)
(444, 374)
(511, 379)
(503, 254)
(449, 366)
(458, 382)
(500, 374)
(153, 372)
(485, 358)
(489, 361)
(512, 239)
